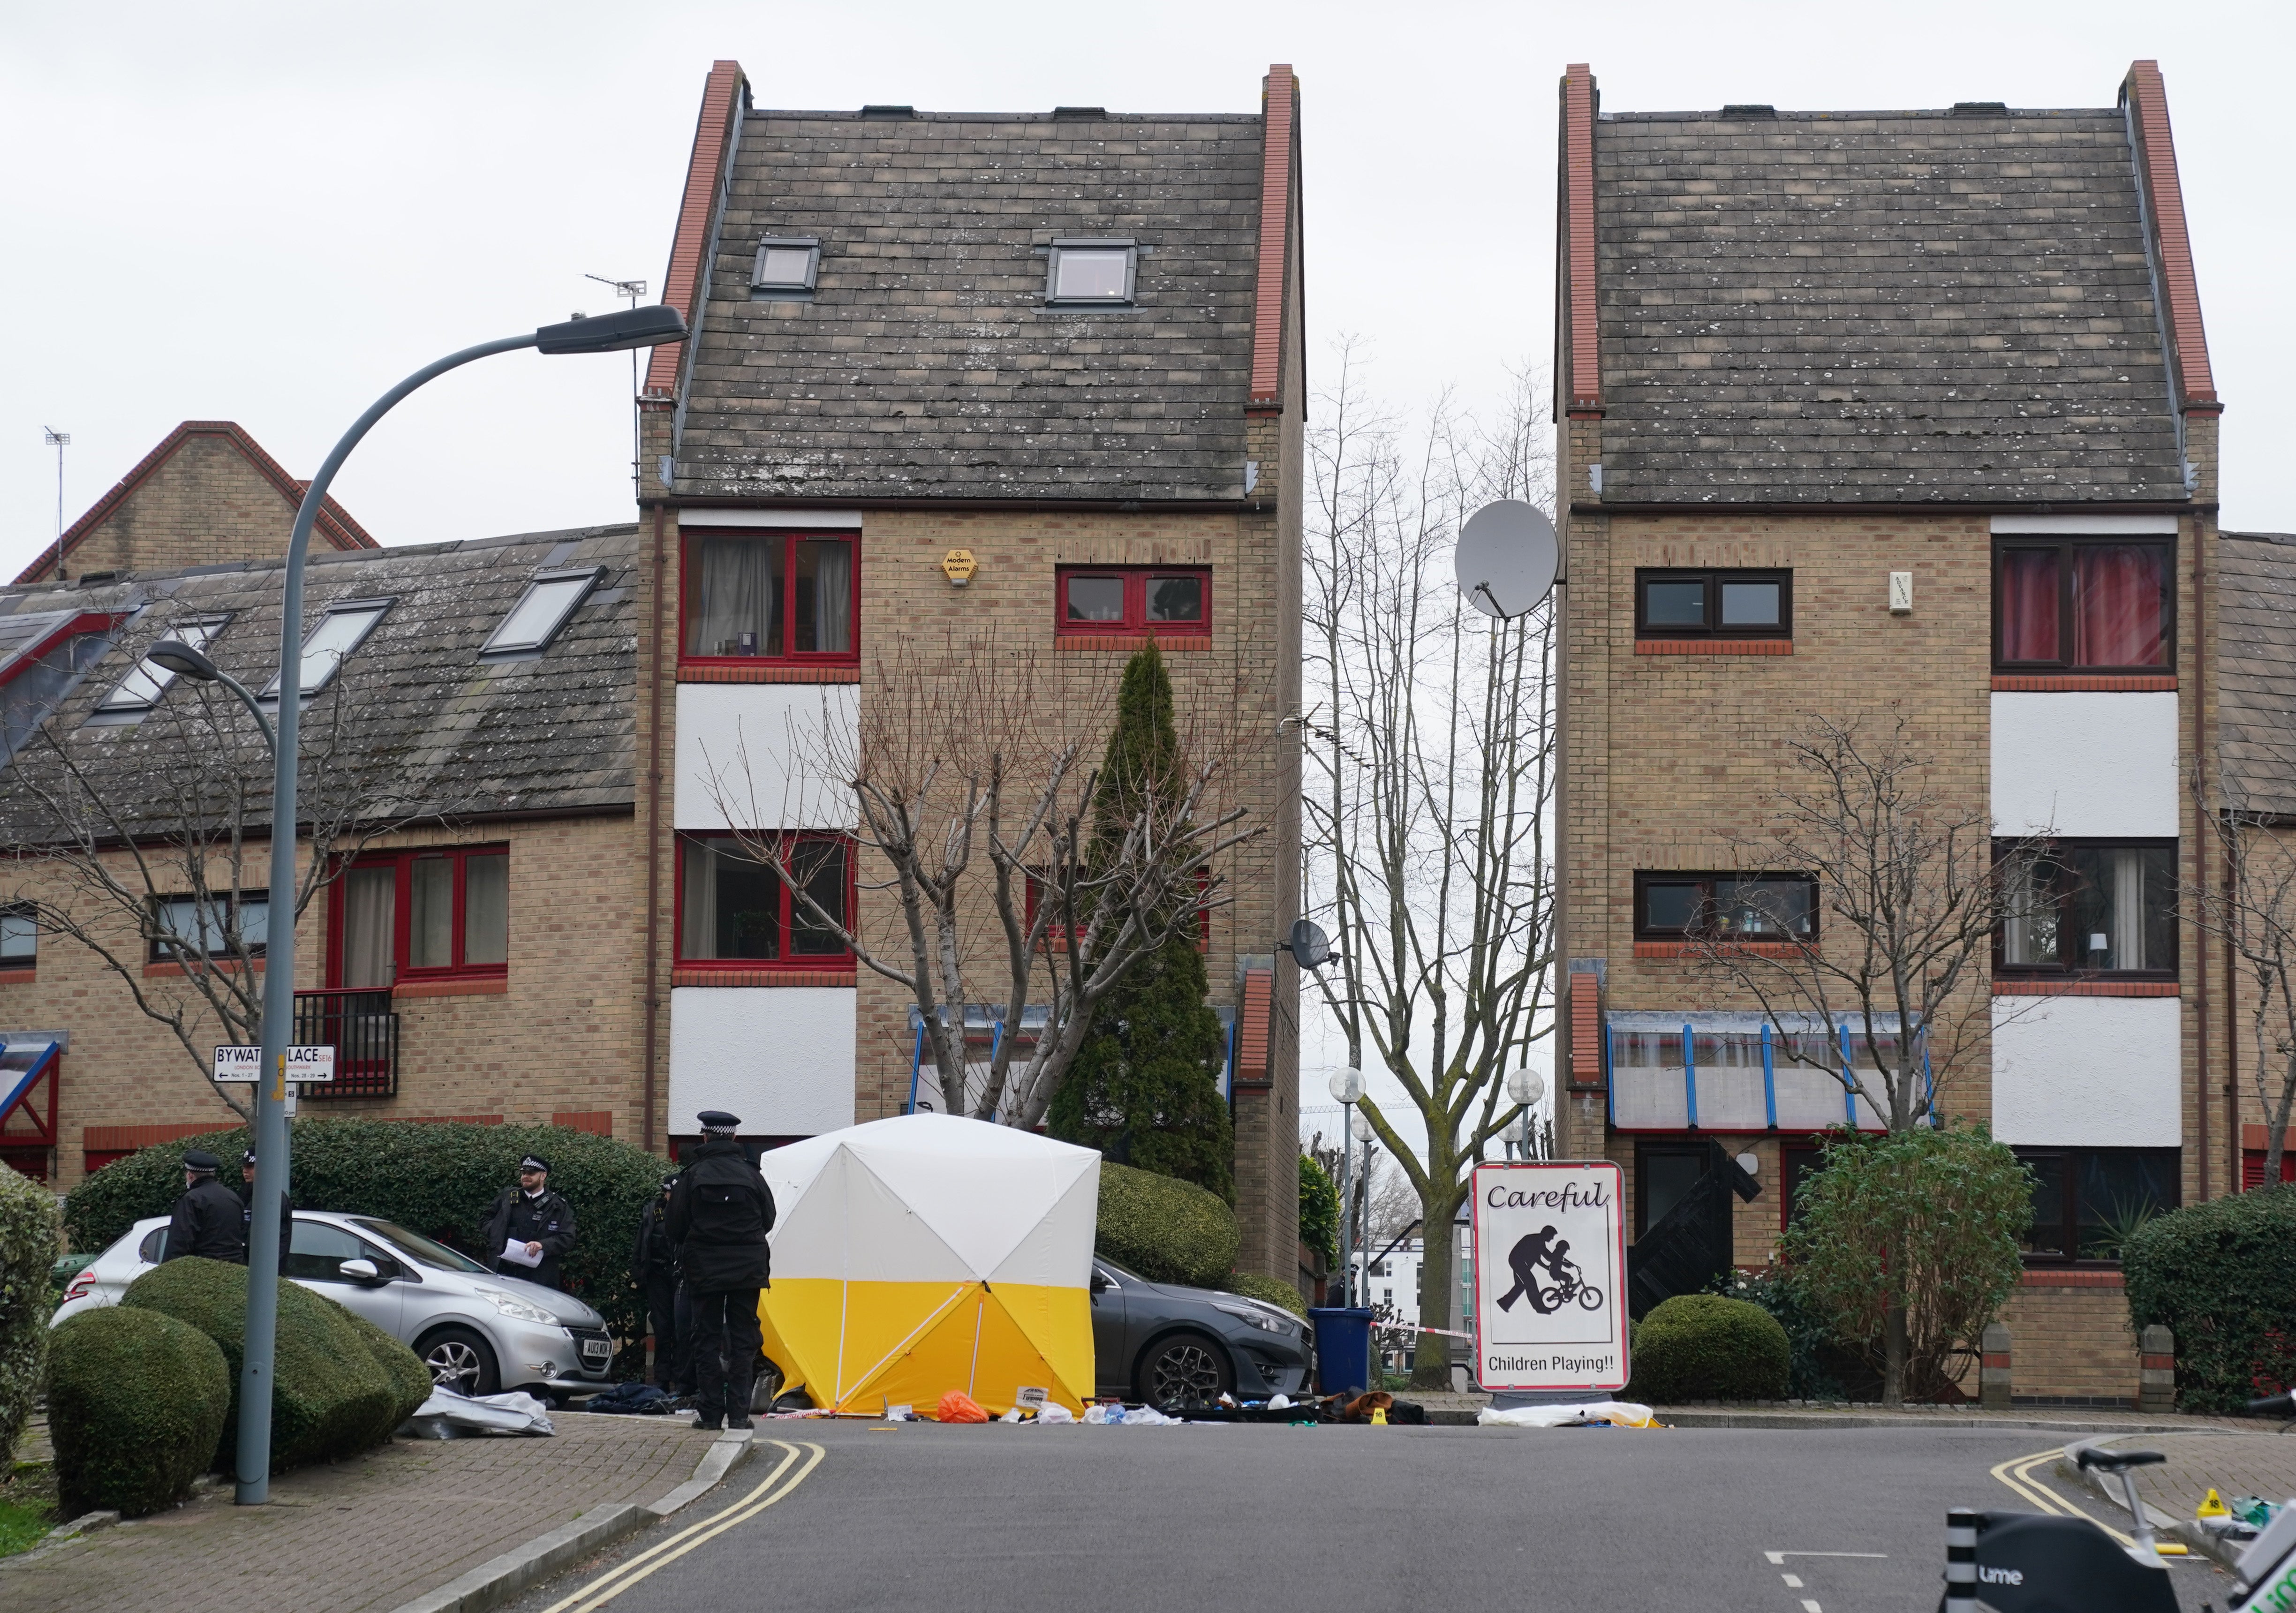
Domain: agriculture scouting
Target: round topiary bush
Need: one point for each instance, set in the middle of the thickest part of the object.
(1167, 1230)
(2221, 1275)
(1702, 1347)
(1272, 1291)
(437, 1179)
(27, 1250)
(337, 1383)
(137, 1402)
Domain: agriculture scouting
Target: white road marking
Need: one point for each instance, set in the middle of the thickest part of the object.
(1809, 1606)
(1793, 1580)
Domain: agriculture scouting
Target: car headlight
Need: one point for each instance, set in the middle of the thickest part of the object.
(1266, 1321)
(517, 1309)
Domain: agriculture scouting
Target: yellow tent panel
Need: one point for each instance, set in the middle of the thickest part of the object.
(858, 1347)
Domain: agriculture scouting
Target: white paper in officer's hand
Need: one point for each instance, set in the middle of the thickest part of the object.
(516, 1250)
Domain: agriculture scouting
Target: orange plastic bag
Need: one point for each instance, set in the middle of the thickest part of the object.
(957, 1406)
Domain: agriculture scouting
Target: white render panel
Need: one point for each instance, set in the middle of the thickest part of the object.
(781, 1056)
(774, 752)
(702, 520)
(2088, 1072)
(2089, 525)
(2085, 763)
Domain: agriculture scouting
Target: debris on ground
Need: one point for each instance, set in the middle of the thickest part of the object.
(447, 1415)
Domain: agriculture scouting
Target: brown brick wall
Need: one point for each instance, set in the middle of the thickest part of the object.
(2070, 1342)
(205, 505)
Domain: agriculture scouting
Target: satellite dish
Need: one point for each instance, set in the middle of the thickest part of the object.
(1307, 943)
(1506, 557)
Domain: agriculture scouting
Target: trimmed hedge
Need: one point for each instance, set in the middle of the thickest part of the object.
(28, 1248)
(1167, 1230)
(1702, 1347)
(437, 1179)
(338, 1384)
(2222, 1276)
(1274, 1290)
(137, 1402)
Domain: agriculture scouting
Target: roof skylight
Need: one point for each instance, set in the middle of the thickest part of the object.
(141, 689)
(343, 629)
(787, 264)
(550, 599)
(1091, 272)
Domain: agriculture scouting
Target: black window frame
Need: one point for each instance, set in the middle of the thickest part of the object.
(1713, 578)
(1077, 243)
(22, 910)
(1695, 1150)
(229, 904)
(2072, 1157)
(2064, 661)
(768, 290)
(1646, 877)
(2005, 971)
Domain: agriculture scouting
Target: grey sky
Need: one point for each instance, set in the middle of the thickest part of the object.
(266, 213)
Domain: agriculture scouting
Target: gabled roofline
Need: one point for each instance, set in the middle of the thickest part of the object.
(1279, 101)
(724, 96)
(334, 523)
(1583, 360)
(2144, 100)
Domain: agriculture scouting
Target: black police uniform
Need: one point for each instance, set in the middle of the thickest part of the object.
(720, 1214)
(208, 1223)
(545, 1218)
(654, 1267)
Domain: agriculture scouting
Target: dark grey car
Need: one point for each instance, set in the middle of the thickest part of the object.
(1168, 1345)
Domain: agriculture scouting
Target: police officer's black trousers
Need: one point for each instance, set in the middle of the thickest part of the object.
(722, 1382)
(661, 1319)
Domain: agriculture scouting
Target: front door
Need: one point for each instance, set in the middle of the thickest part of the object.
(316, 1256)
(1111, 1366)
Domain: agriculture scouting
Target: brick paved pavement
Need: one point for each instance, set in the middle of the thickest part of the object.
(2262, 1462)
(366, 1534)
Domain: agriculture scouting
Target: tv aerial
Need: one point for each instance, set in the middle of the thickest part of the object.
(1505, 558)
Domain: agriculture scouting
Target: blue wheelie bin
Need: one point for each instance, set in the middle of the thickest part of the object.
(1342, 1349)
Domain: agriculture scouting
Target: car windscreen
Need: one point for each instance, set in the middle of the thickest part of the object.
(421, 1250)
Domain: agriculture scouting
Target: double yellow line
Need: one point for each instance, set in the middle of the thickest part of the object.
(2017, 1473)
(776, 1487)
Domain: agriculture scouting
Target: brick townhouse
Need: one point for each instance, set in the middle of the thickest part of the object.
(475, 961)
(960, 385)
(1871, 412)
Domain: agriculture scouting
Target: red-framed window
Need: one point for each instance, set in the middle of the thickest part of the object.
(431, 914)
(734, 912)
(1168, 601)
(793, 598)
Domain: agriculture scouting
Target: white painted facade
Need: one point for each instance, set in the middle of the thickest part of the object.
(774, 755)
(781, 1056)
(2088, 1072)
(2086, 764)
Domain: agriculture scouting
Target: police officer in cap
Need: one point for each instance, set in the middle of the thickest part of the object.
(653, 1270)
(539, 1222)
(720, 1214)
(247, 1207)
(208, 1221)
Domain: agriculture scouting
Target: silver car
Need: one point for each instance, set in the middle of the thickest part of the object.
(477, 1332)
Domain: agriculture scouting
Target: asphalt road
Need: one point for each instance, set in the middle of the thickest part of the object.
(1015, 1519)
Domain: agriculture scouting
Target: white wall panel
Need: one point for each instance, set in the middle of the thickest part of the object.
(779, 1056)
(2086, 764)
(774, 749)
(2093, 1072)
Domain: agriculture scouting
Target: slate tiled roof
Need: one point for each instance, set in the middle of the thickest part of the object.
(1877, 307)
(927, 365)
(2255, 650)
(551, 732)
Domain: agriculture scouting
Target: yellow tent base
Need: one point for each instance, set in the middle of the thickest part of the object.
(858, 1347)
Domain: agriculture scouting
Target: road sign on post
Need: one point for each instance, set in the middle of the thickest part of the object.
(304, 1064)
(1550, 1277)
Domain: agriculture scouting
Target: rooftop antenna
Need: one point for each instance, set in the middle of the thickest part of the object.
(635, 290)
(59, 441)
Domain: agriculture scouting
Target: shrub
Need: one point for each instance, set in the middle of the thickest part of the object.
(336, 1389)
(1167, 1230)
(27, 1248)
(2222, 1276)
(1810, 1338)
(440, 1179)
(137, 1402)
(1703, 1346)
(1319, 1210)
(1272, 1291)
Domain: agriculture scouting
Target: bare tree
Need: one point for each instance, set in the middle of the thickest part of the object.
(2252, 908)
(143, 843)
(1428, 822)
(959, 757)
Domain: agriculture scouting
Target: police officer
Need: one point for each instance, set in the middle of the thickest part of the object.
(247, 1208)
(653, 1270)
(208, 1221)
(532, 1216)
(720, 1214)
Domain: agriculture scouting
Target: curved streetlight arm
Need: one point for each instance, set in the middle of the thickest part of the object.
(255, 709)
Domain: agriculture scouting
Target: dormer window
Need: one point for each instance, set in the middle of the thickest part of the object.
(550, 599)
(787, 265)
(1092, 272)
(343, 629)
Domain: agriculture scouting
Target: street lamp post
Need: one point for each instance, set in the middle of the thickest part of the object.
(644, 327)
(1346, 1085)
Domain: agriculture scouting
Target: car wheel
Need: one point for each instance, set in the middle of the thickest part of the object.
(1186, 1369)
(460, 1360)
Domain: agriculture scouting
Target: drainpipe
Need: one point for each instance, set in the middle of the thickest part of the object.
(2201, 684)
(654, 832)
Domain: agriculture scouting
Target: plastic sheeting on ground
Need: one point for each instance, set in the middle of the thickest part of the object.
(1618, 1414)
(447, 1415)
(926, 1253)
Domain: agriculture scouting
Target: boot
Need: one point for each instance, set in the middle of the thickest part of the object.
(739, 1419)
(709, 1422)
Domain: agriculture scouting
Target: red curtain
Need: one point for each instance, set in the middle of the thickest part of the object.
(2117, 605)
(2029, 605)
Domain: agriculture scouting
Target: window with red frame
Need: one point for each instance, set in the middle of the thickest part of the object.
(421, 914)
(1169, 600)
(2087, 605)
(734, 909)
(792, 597)
(1061, 935)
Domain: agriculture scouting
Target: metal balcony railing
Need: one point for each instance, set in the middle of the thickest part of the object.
(363, 1032)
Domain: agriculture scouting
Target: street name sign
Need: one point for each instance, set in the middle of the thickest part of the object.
(303, 1063)
(1550, 1252)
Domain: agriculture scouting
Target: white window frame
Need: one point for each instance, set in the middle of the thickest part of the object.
(1131, 251)
(585, 578)
(141, 688)
(373, 609)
